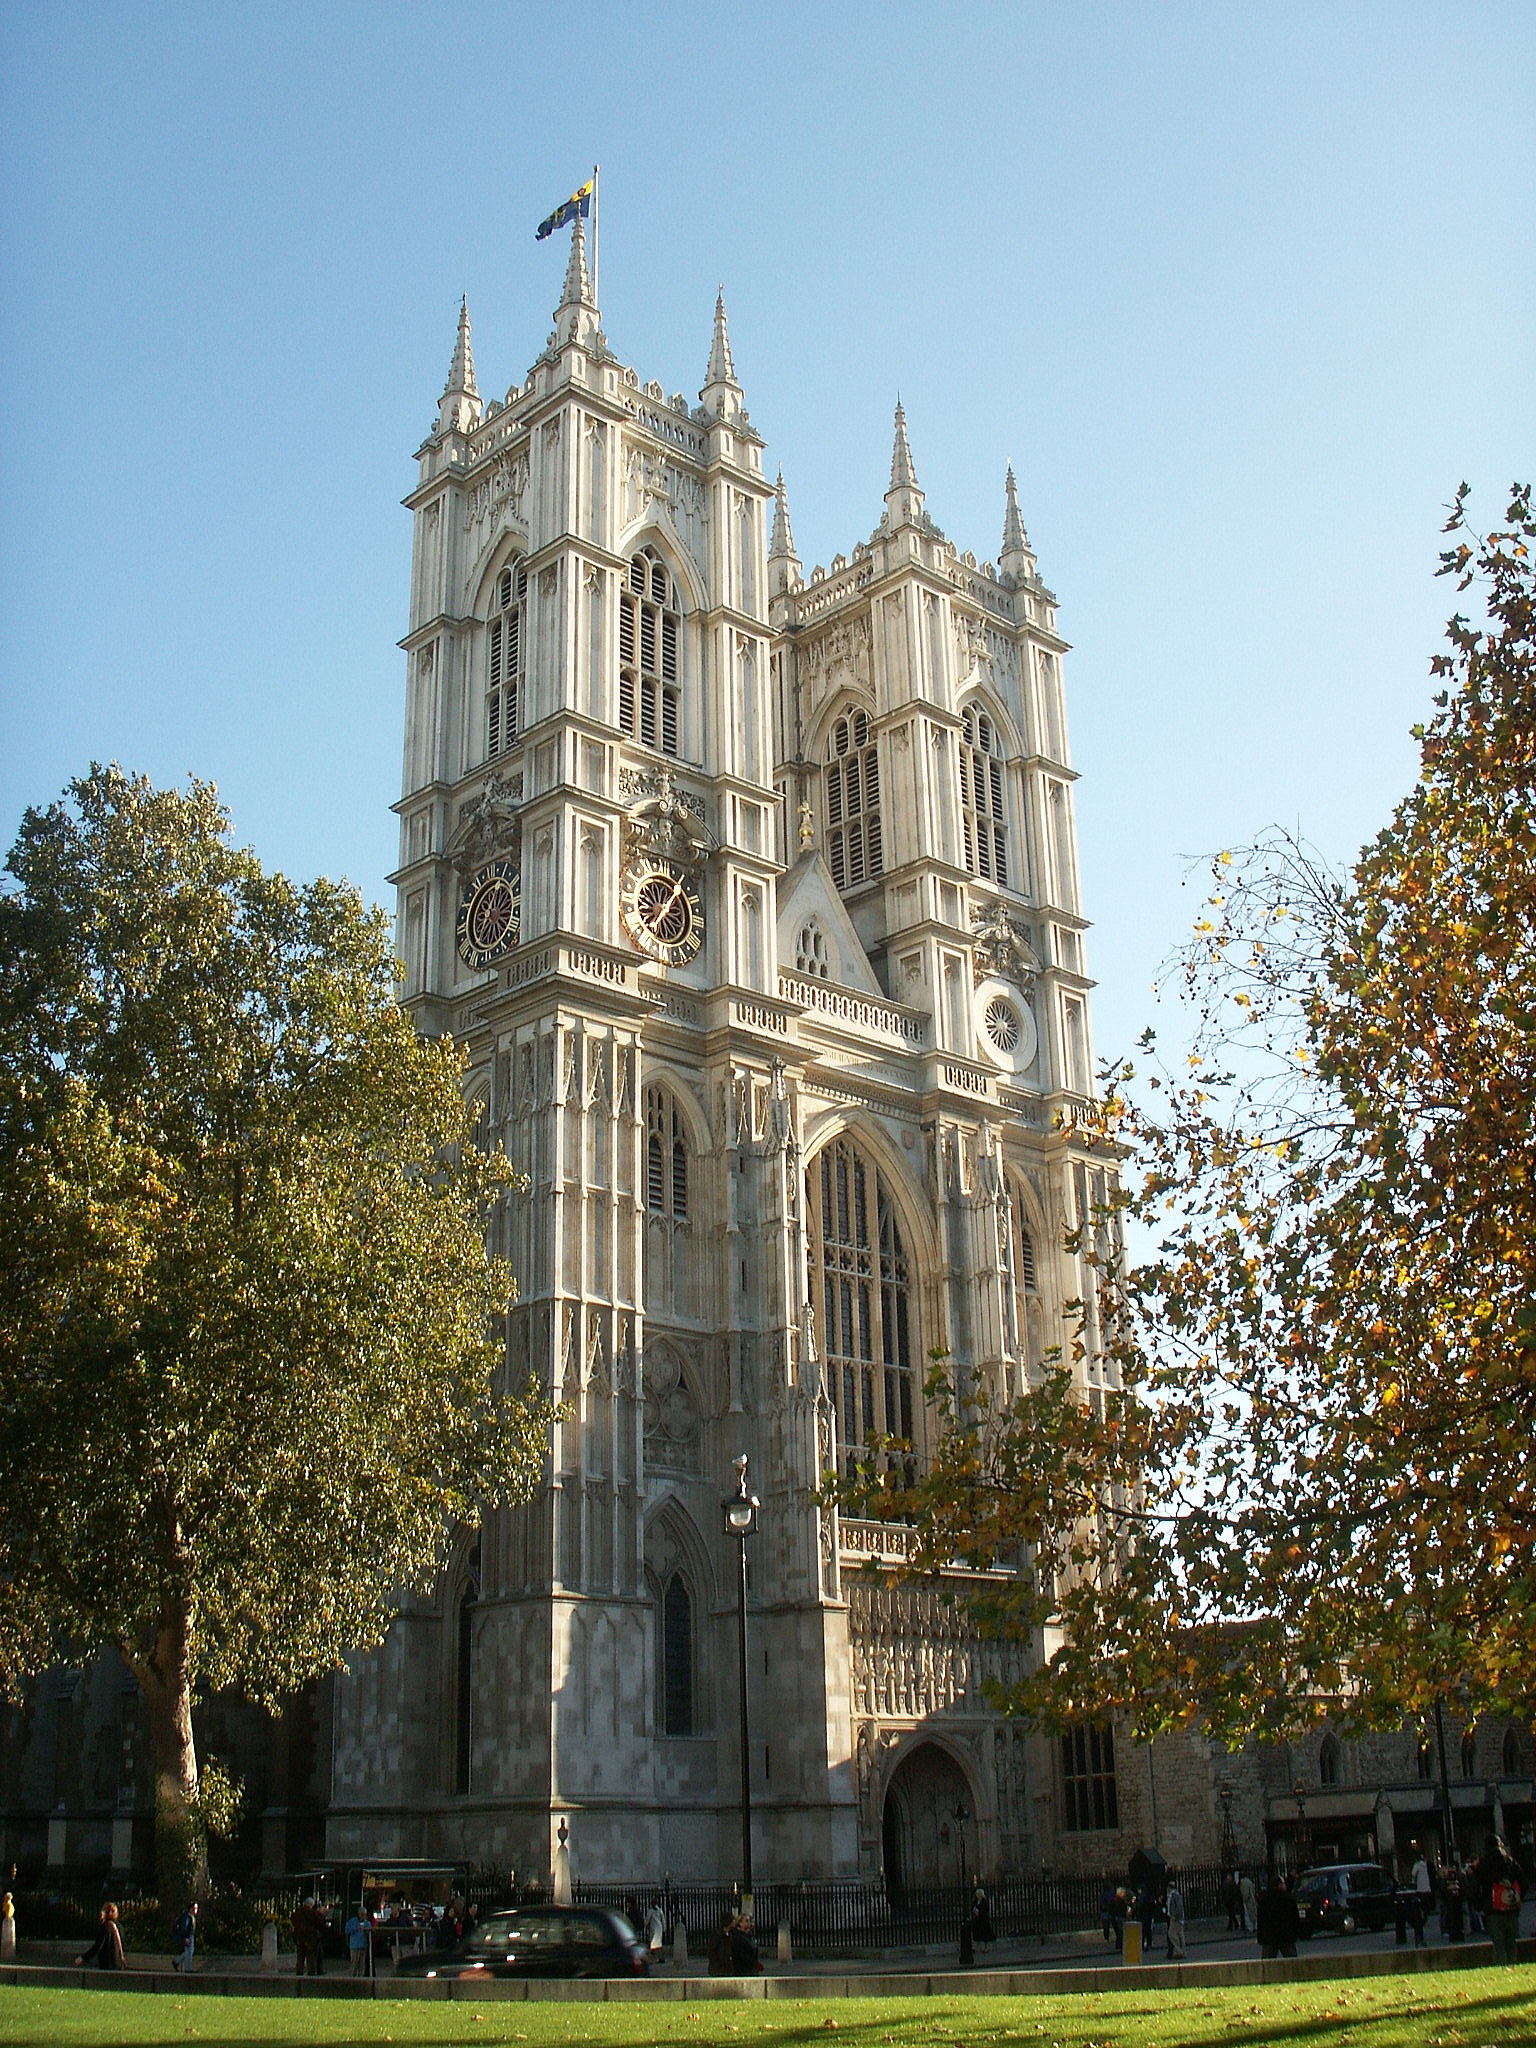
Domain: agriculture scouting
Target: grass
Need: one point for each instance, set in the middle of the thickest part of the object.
(1450, 2009)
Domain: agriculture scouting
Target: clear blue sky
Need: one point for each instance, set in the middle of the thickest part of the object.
(1242, 291)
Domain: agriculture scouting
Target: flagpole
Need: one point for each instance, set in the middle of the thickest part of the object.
(595, 292)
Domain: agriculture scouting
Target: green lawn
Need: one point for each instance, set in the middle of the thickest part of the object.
(1453, 2009)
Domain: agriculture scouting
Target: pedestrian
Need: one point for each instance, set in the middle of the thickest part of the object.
(359, 1942)
(1497, 1889)
(1122, 1912)
(307, 1923)
(1174, 1906)
(185, 1937)
(1232, 1899)
(744, 1958)
(1249, 1901)
(106, 1951)
(7, 1928)
(1452, 1913)
(1146, 1913)
(981, 1919)
(655, 1932)
(720, 1947)
(1107, 1914)
(1278, 1922)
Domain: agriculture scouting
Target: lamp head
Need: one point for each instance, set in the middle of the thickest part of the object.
(740, 1508)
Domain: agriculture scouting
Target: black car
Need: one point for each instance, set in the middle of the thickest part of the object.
(1336, 1898)
(540, 1941)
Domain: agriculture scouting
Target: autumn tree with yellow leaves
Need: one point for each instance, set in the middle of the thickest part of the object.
(1317, 1479)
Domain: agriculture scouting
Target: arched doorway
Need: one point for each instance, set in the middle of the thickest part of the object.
(929, 1824)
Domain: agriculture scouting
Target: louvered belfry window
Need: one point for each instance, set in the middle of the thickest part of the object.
(866, 1303)
(504, 675)
(666, 1157)
(981, 798)
(650, 640)
(854, 851)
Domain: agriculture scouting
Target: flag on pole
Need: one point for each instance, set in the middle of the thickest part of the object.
(580, 202)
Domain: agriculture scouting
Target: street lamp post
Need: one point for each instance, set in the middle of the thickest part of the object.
(1301, 1828)
(1228, 1853)
(740, 1512)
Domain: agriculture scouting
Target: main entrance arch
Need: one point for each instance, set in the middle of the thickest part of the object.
(928, 1828)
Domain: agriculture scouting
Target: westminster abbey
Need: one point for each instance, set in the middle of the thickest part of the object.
(752, 896)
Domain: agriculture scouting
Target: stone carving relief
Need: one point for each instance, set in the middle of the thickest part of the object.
(915, 1655)
(487, 823)
(671, 1413)
(666, 825)
(839, 656)
(500, 492)
(1003, 947)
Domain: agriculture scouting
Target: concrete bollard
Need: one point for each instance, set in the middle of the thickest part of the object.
(1131, 1948)
(786, 1953)
(679, 1946)
(269, 1946)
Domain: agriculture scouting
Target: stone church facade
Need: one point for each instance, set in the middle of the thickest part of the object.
(753, 900)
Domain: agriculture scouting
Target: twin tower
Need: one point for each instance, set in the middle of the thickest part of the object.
(753, 900)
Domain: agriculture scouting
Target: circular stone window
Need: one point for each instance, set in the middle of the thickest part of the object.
(1003, 1026)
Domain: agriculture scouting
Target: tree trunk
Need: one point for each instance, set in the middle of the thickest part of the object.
(164, 1672)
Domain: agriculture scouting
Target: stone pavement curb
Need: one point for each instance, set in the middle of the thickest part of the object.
(1036, 1983)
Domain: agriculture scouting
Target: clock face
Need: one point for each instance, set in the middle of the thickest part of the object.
(489, 914)
(662, 912)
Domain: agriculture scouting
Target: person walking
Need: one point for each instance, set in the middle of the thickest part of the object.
(1232, 1899)
(185, 1937)
(106, 1951)
(1497, 1889)
(981, 1918)
(655, 1932)
(1248, 1900)
(359, 1934)
(7, 1928)
(1173, 1905)
(1279, 1924)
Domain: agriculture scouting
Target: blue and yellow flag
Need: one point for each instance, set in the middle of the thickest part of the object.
(580, 202)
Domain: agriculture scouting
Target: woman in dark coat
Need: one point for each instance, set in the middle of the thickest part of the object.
(1279, 1923)
(106, 1951)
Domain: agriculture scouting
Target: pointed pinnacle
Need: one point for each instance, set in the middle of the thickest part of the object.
(903, 475)
(721, 368)
(578, 281)
(1015, 539)
(781, 548)
(461, 372)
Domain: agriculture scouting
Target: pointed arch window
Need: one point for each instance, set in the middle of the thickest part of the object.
(666, 1157)
(504, 660)
(855, 851)
(464, 1676)
(811, 952)
(981, 797)
(650, 654)
(1425, 1760)
(1330, 1761)
(1469, 1755)
(864, 1284)
(676, 1657)
(1510, 1754)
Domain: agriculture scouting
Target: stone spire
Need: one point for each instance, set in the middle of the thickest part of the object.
(1016, 559)
(721, 394)
(460, 407)
(576, 316)
(904, 499)
(784, 571)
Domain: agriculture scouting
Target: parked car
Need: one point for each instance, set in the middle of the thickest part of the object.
(540, 1941)
(1336, 1898)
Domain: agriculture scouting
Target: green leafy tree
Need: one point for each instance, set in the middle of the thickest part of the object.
(251, 1356)
(1314, 1479)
